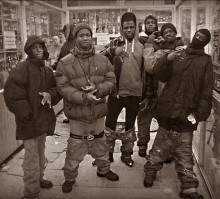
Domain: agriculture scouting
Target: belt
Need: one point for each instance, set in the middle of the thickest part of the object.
(89, 137)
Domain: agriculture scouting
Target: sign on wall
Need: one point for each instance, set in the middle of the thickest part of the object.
(9, 39)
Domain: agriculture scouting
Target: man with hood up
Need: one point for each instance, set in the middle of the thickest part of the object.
(84, 79)
(30, 92)
(144, 118)
(185, 101)
(126, 54)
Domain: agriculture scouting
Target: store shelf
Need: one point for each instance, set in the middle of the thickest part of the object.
(10, 51)
(15, 20)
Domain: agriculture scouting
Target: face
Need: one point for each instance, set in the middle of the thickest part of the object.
(150, 25)
(200, 36)
(56, 40)
(169, 35)
(62, 38)
(37, 51)
(129, 29)
(84, 39)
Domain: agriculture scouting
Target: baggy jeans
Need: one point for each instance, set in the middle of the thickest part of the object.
(115, 105)
(78, 148)
(144, 119)
(180, 146)
(33, 165)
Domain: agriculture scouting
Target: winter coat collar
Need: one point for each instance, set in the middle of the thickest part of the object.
(83, 54)
(178, 42)
(37, 62)
(191, 52)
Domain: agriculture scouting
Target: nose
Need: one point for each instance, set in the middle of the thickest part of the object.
(39, 49)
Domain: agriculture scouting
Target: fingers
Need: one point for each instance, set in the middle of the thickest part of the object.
(153, 33)
(92, 92)
(49, 102)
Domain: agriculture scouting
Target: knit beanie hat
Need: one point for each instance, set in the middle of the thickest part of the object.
(150, 17)
(206, 33)
(168, 25)
(128, 16)
(79, 27)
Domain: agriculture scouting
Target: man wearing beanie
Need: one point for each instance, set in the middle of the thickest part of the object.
(153, 51)
(30, 94)
(185, 101)
(84, 79)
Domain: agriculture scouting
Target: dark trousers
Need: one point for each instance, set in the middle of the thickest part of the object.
(115, 105)
(180, 146)
(144, 119)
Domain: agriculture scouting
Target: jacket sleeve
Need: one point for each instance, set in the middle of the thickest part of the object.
(109, 51)
(108, 85)
(15, 93)
(205, 101)
(55, 96)
(150, 57)
(67, 91)
(163, 68)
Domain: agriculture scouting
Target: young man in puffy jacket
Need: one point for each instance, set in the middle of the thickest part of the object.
(185, 100)
(126, 54)
(30, 92)
(84, 79)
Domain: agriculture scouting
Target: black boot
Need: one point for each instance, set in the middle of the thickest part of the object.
(142, 151)
(111, 159)
(67, 186)
(127, 160)
(109, 175)
(149, 179)
(46, 184)
(193, 195)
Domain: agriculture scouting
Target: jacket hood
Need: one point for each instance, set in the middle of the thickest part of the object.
(136, 35)
(31, 41)
(68, 30)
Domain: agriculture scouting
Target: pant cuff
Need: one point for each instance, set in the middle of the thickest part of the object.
(190, 190)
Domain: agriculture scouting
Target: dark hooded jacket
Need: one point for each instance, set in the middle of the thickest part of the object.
(68, 44)
(21, 93)
(188, 90)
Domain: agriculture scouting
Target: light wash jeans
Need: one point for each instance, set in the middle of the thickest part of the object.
(78, 148)
(33, 165)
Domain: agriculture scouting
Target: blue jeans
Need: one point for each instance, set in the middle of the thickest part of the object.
(180, 146)
(144, 119)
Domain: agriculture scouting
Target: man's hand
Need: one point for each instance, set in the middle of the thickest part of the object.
(89, 88)
(46, 98)
(175, 55)
(91, 97)
(119, 51)
(144, 103)
(151, 37)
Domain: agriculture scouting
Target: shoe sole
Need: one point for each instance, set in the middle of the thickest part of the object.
(182, 195)
(102, 175)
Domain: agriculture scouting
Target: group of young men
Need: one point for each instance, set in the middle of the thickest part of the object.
(149, 76)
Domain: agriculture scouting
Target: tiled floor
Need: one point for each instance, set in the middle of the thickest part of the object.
(88, 185)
